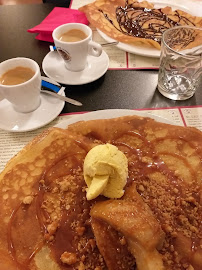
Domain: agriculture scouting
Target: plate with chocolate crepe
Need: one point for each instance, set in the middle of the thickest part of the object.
(138, 26)
(47, 222)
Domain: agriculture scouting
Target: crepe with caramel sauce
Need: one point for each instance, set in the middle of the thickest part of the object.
(139, 23)
(47, 222)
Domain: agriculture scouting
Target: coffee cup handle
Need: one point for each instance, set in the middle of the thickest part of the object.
(94, 48)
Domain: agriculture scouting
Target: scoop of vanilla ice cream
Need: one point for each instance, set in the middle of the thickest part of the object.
(105, 171)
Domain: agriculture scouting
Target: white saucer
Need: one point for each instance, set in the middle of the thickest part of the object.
(13, 121)
(53, 66)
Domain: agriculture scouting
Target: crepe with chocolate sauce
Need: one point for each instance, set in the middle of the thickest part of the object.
(140, 23)
(47, 222)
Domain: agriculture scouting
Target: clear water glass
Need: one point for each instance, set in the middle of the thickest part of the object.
(180, 68)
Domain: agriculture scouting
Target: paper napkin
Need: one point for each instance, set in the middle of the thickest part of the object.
(57, 17)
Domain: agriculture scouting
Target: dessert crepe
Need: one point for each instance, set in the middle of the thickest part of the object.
(47, 222)
(136, 22)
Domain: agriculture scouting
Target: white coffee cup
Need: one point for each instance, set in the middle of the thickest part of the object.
(75, 54)
(25, 97)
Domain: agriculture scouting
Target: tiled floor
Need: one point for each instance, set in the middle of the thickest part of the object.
(15, 2)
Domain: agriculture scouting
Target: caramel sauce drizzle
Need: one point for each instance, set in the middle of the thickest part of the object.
(11, 248)
(190, 143)
(57, 246)
(40, 214)
(132, 22)
(183, 159)
(158, 163)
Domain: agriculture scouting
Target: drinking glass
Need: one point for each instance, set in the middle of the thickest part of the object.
(180, 62)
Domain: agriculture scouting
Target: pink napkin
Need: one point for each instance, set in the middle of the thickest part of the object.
(57, 17)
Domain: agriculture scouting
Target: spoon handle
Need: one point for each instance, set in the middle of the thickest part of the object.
(66, 99)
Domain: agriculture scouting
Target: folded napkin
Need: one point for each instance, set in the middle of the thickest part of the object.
(57, 17)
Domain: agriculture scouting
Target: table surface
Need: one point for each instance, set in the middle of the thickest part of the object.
(117, 89)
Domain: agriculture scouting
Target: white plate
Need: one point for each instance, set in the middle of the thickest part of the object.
(135, 49)
(108, 114)
(141, 49)
(13, 121)
(53, 66)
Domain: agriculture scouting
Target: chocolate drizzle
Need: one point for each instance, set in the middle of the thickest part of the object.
(180, 37)
(145, 23)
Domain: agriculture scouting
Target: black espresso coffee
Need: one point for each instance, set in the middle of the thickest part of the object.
(16, 75)
(73, 35)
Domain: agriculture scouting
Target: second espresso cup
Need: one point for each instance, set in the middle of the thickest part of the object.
(18, 86)
(74, 43)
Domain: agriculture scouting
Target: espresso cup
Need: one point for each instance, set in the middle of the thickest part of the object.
(75, 52)
(25, 96)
